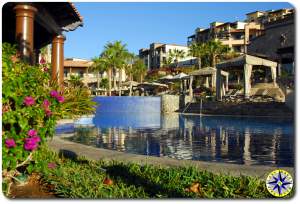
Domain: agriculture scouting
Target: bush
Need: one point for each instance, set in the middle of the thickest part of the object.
(31, 105)
(82, 178)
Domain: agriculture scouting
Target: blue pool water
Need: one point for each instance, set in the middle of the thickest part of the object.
(135, 125)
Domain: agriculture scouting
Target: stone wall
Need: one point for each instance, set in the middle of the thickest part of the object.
(278, 34)
(290, 99)
(173, 103)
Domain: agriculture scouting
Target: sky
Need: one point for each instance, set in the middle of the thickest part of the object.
(139, 24)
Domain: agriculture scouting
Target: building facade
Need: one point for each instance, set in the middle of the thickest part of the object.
(157, 54)
(233, 34)
(279, 36)
(83, 69)
(238, 35)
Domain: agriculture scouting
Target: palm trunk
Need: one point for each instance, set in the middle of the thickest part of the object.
(199, 63)
(98, 80)
(141, 78)
(213, 60)
(109, 81)
(130, 88)
(114, 79)
(120, 81)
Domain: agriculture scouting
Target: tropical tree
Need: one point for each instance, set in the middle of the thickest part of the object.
(215, 49)
(177, 54)
(198, 50)
(169, 60)
(139, 69)
(75, 81)
(99, 66)
(118, 54)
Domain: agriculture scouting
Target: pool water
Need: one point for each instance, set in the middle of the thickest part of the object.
(135, 128)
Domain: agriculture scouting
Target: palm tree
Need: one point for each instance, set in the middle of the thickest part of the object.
(75, 81)
(99, 66)
(139, 69)
(169, 60)
(118, 57)
(177, 54)
(198, 50)
(215, 49)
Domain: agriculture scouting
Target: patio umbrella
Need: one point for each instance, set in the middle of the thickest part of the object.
(179, 76)
(168, 77)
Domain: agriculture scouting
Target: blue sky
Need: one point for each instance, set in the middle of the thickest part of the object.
(139, 24)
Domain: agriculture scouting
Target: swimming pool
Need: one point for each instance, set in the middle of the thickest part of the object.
(135, 125)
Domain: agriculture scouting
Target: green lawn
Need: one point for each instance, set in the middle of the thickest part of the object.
(81, 178)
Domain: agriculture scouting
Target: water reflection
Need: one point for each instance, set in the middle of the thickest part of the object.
(248, 141)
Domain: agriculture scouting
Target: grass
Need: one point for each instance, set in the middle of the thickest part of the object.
(81, 178)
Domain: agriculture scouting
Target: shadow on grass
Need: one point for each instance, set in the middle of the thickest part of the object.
(119, 171)
(122, 173)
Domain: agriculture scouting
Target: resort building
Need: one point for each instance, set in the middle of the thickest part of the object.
(279, 35)
(156, 56)
(34, 25)
(83, 69)
(236, 34)
(268, 16)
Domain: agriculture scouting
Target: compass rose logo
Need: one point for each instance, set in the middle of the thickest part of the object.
(279, 183)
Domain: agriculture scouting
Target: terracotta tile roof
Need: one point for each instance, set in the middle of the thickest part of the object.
(72, 63)
(76, 11)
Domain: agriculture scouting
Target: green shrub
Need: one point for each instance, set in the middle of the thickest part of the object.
(31, 105)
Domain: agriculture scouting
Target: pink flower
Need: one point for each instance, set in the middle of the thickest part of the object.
(9, 143)
(30, 144)
(60, 99)
(46, 103)
(36, 139)
(51, 165)
(32, 133)
(48, 112)
(42, 61)
(29, 101)
(54, 93)
(45, 69)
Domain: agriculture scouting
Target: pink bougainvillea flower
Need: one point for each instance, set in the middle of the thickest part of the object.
(48, 112)
(46, 103)
(30, 144)
(9, 143)
(42, 60)
(45, 69)
(32, 133)
(60, 99)
(54, 94)
(29, 101)
(36, 139)
(51, 165)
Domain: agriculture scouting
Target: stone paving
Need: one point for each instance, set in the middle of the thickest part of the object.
(75, 149)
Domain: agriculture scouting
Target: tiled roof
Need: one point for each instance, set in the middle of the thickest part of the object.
(71, 63)
(76, 11)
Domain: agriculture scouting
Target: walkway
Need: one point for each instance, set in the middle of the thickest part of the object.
(57, 144)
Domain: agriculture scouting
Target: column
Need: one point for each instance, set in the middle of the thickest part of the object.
(213, 81)
(24, 30)
(58, 59)
(247, 80)
(226, 82)
(218, 85)
(273, 74)
(206, 82)
(191, 87)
